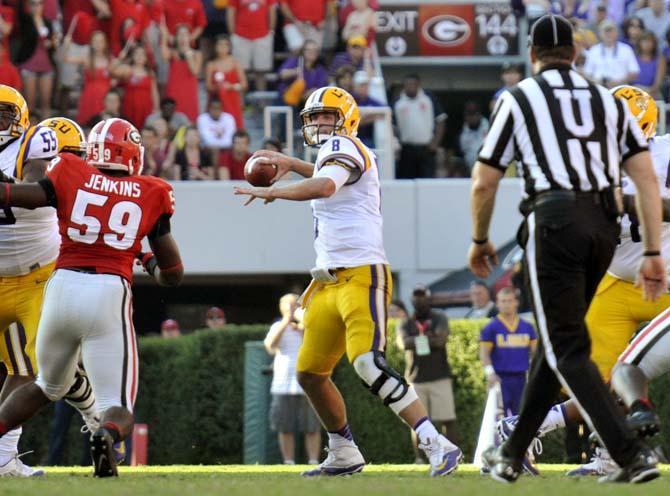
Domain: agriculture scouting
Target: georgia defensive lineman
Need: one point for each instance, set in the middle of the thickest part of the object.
(105, 209)
(346, 303)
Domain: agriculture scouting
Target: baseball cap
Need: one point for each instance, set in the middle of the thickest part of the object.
(215, 313)
(421, 289)
(357, 40)
(169, 325)
(551, 31)
(361, 77)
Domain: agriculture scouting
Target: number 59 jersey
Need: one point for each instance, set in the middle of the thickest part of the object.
(28, 238)
(102, 218)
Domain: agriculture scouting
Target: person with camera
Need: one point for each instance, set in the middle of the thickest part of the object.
(290, 411)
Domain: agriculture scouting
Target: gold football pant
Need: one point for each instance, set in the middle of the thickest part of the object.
(347, 315)
(616, 312)
(20, 306)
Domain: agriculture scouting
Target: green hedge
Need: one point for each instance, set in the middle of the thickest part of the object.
(191, 395)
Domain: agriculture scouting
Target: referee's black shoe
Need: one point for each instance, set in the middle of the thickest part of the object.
(641, 469)
(644, 421)
(102, 453)
(502, 468)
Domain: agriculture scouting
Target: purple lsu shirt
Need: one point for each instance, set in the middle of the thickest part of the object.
(511, 350)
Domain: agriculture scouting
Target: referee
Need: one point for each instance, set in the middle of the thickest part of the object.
(569, 138)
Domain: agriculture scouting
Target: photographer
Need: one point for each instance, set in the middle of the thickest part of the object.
(290, 411)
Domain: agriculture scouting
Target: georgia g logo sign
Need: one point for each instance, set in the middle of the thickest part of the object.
(446, 30)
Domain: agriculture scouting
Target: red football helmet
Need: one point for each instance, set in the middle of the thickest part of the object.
(115, 144)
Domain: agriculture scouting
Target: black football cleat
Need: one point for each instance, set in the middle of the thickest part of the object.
(644, 422)
(102, 453)
(641, 469)
(502, 468)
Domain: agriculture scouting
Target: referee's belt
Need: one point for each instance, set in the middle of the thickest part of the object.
(602, 197)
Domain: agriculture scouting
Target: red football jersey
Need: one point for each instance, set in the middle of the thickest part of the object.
(102, 219)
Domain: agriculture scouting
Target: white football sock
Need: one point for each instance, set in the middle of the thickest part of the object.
(9, 445)
(426, 431)
(555, 419)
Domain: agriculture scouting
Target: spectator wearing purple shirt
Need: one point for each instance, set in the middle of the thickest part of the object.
(632, 29)
(505, 347)
(313, 72)
(652, 64)
(571, 9)
(354, 56)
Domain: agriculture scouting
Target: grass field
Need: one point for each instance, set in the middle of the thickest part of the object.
(277, 480)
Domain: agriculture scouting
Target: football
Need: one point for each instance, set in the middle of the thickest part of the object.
(259, 174)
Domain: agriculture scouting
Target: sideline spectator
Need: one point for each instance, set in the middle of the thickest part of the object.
(191, 162)
(225, 78)
(424, 337)
(475, 127)
(575, 10)
(252, 27)
(37, 39)
(216, 127)
(272, 144)
(154, 154)
(215, 318)
(632, 29)
(361, 93)
(306, 67)
(175, 120)
(360, 22)
(611, 62)
(652, 65)
(511, 75)
(188, 12)
(505, 347)
(111, 108)
(305, 21)
(217, 24)
(344, 77)
(480, 298)
(170, 329)
(6, 25)
(421, 124)
(290, 410)
(95, 61)
(140, 96)
(182, 82)
(231, 162)
(656, 18)
(598, 16)
(356, 56)
(9, 75)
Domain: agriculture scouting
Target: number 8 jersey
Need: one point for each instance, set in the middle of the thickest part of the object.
(28, 238)
(102, 218)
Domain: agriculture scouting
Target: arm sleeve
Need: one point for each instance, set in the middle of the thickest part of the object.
(487, 335)
(498, 147)
(531, 332)
(632, 139)
(339, 175)
(41, 144)
(438, 113)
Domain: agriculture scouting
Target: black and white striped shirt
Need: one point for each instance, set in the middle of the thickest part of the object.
(564, 131)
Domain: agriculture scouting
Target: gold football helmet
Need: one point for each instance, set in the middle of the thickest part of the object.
(14, 117)
(70, 136)
(330, 99)
(641, 105)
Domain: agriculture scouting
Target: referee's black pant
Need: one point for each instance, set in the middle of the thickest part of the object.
(570, 242)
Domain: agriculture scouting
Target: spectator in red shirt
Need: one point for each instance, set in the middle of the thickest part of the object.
(360, 21)
(6, 24)
(130, 19)
(252, 25)
(305, 20)
(9, 74)
(185, 65)
(189, 12)
(231, 162)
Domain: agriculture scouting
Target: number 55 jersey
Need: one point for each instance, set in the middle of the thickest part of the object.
(102, 218)
(28, 238)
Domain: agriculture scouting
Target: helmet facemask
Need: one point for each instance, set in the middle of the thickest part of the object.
(10, 127)
(313, 133)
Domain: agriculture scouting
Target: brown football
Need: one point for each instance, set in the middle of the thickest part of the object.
(259, 174)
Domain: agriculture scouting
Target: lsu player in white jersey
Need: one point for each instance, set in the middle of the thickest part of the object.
(346, 303)
(619, 308)
(29, 243)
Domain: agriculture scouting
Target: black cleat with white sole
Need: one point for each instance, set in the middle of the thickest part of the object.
(644, 422)
(102, 453)
(502, 467)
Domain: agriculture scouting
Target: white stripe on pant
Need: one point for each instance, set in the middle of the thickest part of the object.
(91, 312)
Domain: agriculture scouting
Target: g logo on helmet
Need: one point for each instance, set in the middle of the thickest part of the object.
(446, 31)
(134, 136)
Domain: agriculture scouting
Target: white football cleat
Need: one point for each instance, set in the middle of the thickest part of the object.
(343, 459)
(443, 456)
(16, 468)
(601, 464)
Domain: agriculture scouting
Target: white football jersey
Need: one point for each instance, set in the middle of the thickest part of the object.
(28, 238)
(348, 225)
(628, 254)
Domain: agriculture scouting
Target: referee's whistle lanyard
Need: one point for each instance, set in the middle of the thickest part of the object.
(422, 327)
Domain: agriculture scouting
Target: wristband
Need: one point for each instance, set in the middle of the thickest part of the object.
(489, 370)
(652, 253)
(482, 241)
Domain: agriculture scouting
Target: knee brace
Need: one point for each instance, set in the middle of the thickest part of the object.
(383, 381)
